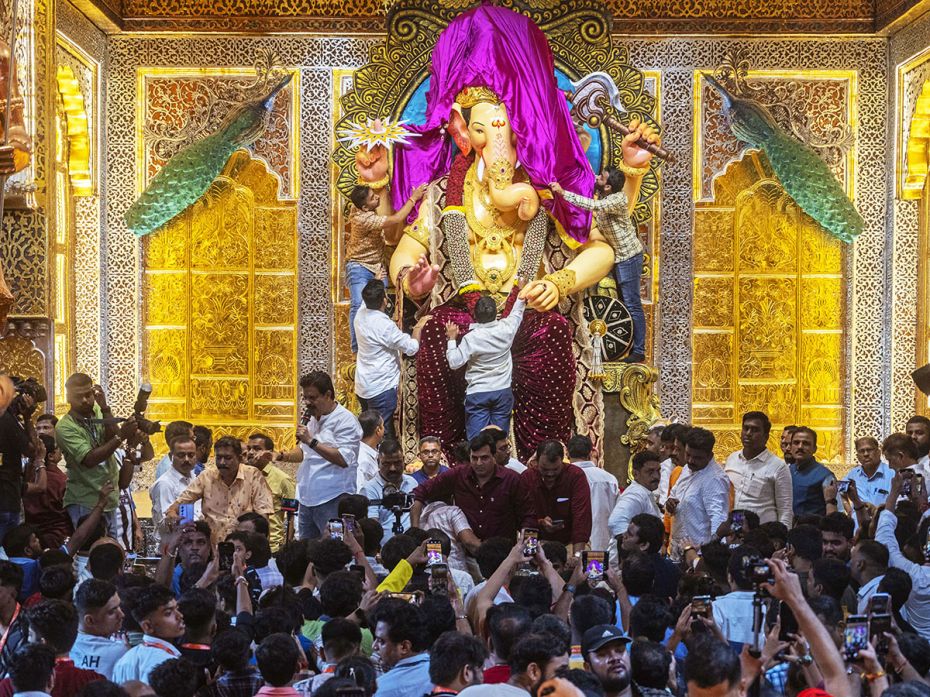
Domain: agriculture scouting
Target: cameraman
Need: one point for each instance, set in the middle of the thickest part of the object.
(89, 447)
(17, 440)
(390, 476)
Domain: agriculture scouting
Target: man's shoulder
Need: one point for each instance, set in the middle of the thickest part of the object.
(600, 475)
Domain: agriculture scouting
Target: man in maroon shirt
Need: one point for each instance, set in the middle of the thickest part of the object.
(494, 499)
(561, 497)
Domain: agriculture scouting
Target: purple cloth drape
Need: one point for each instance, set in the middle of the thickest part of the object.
(500, 49)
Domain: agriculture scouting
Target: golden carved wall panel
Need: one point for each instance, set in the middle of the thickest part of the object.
(220, 305)
(768, 334)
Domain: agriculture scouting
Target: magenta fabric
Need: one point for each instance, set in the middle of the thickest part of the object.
(500, 49)
(543, 377)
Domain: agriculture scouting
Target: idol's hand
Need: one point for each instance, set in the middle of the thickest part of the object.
(421, 278)
(633, 155)
(372, 165)
(540, 295)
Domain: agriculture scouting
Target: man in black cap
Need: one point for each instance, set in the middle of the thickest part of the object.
(605, 655)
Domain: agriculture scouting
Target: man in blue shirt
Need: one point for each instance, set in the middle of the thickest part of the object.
(808, 477)
(401, 641)
(873, 476)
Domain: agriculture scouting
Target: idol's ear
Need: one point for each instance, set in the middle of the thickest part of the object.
(458, 129)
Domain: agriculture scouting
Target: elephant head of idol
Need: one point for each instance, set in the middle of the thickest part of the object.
(479, 122)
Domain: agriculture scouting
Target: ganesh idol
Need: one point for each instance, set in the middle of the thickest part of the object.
(497, 132)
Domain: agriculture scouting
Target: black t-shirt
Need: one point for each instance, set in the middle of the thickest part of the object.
(13, 443)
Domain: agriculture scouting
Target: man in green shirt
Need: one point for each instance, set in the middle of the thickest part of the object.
(89, 448)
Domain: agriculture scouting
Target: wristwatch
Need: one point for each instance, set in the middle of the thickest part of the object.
(313, 443)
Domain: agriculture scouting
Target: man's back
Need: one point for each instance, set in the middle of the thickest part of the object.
(96, 653)
(486, 350)
(69, 680)
(604, 493)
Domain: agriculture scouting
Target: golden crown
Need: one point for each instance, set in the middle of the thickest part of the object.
(470, 96)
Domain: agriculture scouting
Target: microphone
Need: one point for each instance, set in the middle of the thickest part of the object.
(304, 420)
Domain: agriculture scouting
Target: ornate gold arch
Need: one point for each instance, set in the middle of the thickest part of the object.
(74, 110)
(579, 34)
(918, 140)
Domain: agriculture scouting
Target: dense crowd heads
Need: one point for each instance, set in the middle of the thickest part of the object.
(456, 568)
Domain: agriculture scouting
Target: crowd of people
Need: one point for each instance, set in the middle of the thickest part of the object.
(464, 571)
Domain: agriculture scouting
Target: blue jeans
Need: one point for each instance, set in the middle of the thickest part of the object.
(386, 404)
(76, 511)
(487, 408)
(628, 274)
(312, 519)
(357, 276)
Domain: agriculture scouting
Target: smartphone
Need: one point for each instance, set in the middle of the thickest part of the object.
(594, 564)
(530, 542)
(855, 636)
(788, 622)
(433, 552)
(129, 562)
(336, 529)
(842, 487)
(558, 523)
(879, 625)
(186, 511)
(737, 522)
(226, 551)
(348, 521)
(906, 486)
(880, 604)
(359, 571)
(438, 579)
(289, 505)
(701, 606)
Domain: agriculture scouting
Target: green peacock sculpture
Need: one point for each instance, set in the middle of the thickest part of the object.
(805, 176)
(189, 173)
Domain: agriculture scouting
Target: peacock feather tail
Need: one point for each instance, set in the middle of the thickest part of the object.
(189, 173)
(802, 173)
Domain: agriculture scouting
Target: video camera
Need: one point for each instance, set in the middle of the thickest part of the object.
(23, 387)
(757, 571)
(396, 501)
(138, 411)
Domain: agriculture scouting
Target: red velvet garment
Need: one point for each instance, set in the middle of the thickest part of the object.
(543, 377)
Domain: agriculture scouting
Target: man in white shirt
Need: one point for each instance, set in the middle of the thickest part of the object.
(639, 496)
(672, 455)
(867, 566)
(372, 434)
(172, 431)
(99, 618)
(485, 349)
(452, 521)
(918, 429)
(761, 480)
(157, 613)
(390, 476)
(329, 438)
(377, 363)
(918, 602)
(603, 485)
(700, 499)
(733, 612)
(169, 486)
